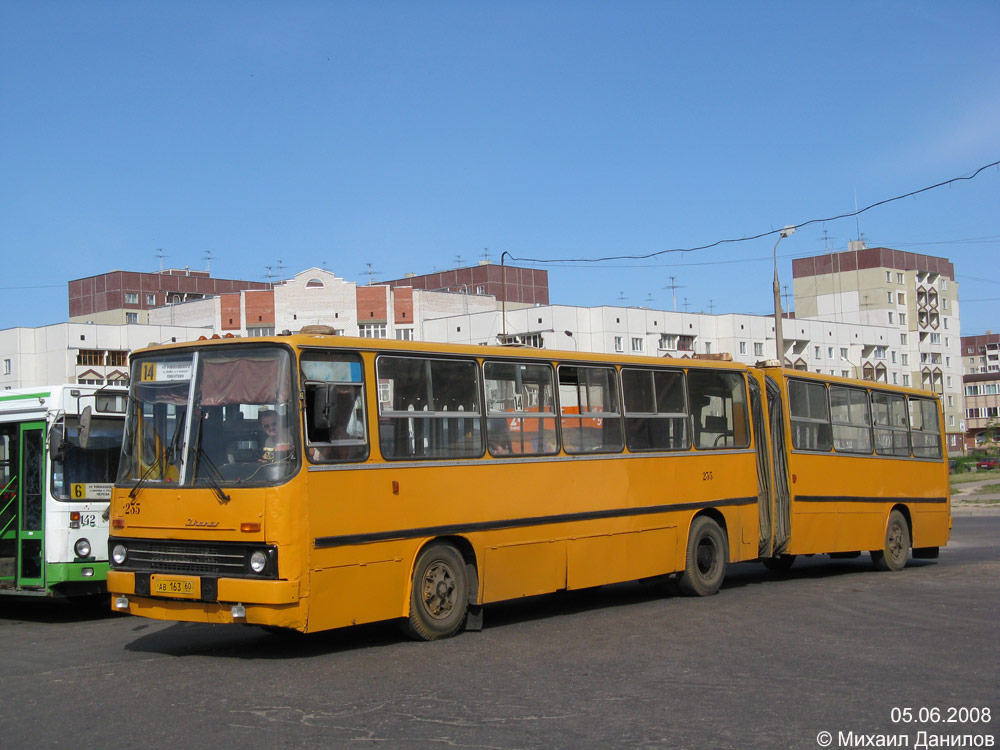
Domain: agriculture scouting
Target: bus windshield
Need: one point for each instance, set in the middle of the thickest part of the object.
(211, 418)
(97, 464)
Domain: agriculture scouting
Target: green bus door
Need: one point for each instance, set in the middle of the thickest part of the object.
(31, 536)
(22, 506)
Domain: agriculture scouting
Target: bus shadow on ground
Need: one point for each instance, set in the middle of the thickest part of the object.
(253, 642)
(54, 610)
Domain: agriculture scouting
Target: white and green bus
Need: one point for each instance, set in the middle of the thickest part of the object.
(59, 452)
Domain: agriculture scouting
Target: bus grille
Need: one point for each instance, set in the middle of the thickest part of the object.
(191, 558)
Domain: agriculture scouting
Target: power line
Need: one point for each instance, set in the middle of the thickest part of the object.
(758, 236)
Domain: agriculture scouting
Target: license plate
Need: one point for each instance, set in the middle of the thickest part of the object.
(175, 586)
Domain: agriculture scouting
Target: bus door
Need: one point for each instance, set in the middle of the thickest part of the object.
(22, 505)
(782, 500)
(764, 486)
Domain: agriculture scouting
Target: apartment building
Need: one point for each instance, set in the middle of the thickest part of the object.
(317, 296)
(92, 353)
(981, 383)
(122, 297)
(513, 285)
(912, 295)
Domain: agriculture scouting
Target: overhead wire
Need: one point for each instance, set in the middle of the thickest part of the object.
(750, 238)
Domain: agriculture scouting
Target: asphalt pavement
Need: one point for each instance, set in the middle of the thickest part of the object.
(772, 661)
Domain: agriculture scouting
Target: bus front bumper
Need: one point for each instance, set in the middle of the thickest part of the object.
(255, 602)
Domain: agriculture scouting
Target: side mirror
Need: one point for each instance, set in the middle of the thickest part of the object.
(85, 416)
(57, 440)
(321, 408)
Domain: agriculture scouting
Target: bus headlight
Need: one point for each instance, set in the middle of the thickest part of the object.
(82, 548)
(118, 554)
(258, 561)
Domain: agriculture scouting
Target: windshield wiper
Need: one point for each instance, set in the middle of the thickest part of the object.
(145, 476)
(213, 476)
(160, 460)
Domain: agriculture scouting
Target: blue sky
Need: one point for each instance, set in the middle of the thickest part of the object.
(409, 134)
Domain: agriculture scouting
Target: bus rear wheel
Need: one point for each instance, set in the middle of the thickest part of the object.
(707, 553)
(897, 544)
(439, 596)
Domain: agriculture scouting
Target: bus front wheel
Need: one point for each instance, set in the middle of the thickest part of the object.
(897, 544)
(439, 597)
(707, 552)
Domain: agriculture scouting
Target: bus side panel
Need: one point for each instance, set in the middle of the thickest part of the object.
(523, 569)
(931, 525)
(625, 556)
(870, 487)
(371, 587)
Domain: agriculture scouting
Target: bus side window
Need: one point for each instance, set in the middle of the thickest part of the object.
(889, 419)
(432, 409)
(925, 431)
(335, 407)
(588, 404)
(518, 395)
(810, 416)
(716, 398)
(655, 410)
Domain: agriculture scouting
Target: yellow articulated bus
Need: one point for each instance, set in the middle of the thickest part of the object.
(316, 481)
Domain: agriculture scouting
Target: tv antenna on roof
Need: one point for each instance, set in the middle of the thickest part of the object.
(673, 290)
(159, 254)
(371, 273)
(208, 262)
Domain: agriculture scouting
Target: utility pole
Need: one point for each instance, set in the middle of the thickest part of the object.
(779, 340)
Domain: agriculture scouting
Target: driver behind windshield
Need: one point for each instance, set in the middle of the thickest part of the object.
(277, 442)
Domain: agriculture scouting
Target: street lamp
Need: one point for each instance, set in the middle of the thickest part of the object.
(779, 340)
(576, 346)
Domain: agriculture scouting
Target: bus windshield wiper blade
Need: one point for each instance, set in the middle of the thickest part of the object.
(213, 475)
(142, 480)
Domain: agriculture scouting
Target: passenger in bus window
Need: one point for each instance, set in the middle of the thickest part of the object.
(498, 434)
(277, 444)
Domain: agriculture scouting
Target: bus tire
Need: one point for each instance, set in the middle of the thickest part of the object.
(439, 596)
(707, 553)
(897, 544)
